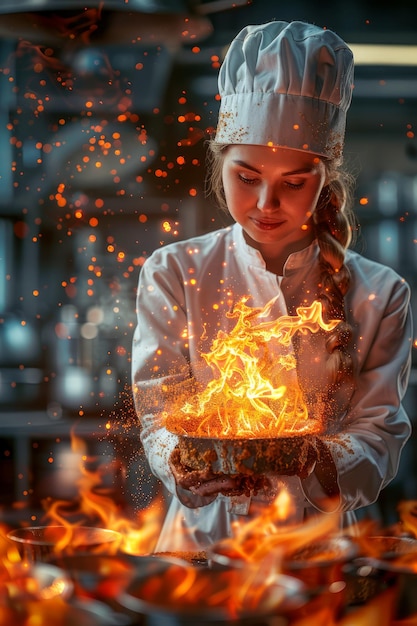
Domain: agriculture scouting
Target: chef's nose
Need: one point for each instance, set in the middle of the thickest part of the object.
(268, 198)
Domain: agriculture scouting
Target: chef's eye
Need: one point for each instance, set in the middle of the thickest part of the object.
(247, 180)
(294, 185)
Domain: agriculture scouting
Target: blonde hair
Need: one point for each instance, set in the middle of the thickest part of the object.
(335, 228)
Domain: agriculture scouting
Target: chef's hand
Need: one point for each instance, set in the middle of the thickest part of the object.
(206, 483)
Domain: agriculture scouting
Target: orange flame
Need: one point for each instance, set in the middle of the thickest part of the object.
(95, 506)
(255, 391)
(265, 534)
(379, 611)
(233, 592)
(408, 515)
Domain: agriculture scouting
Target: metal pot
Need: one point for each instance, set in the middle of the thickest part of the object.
(170, 592)
(390, 565)
(319, 567)
(41, 543)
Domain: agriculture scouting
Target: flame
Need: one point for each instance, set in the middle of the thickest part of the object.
(363, 533)
(234, 592)
(323, 615)
(96, 507)
(254, 391)
(261, 544)
(26, 598)
(379, 611)
(265, 534)
(408, 516)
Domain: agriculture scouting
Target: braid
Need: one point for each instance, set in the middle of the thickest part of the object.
(333, 226)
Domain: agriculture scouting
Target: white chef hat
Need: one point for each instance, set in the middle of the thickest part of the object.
(286, 84)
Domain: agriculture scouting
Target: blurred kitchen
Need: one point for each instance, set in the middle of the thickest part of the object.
(105, 107)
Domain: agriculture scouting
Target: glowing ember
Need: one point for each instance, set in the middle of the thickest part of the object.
(254, 392)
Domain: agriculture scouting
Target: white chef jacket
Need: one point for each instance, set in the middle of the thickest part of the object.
(184, 292)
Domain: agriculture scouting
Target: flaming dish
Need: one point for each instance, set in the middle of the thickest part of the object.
(253, 399)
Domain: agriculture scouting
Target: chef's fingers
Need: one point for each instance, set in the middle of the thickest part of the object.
(227, 485)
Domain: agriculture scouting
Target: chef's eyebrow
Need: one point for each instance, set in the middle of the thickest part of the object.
(301, 170)
(246, 166)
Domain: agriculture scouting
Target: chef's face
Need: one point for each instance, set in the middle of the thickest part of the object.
(272, 193)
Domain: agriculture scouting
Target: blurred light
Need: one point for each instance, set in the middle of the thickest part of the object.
(89, 331)
(384, 54)
(95, 315)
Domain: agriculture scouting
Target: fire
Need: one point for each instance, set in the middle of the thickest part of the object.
(254, 392)
(95, 506)
(378, 611)
(268, 533)
(408, 515)
(29, 593)
(228, 594)
(259, 555)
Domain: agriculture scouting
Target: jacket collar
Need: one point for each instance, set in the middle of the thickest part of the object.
(305, 257)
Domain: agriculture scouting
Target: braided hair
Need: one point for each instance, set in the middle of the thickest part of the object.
(335, 226)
